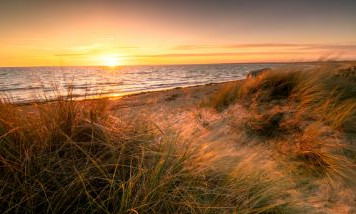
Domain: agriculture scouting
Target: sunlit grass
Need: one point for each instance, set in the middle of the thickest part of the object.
(70, 156)
(293, 106)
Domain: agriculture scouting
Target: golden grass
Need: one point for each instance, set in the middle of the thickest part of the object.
(224, 97)
(322, 152)
(293, 105)
(67, 156)
(323, 93)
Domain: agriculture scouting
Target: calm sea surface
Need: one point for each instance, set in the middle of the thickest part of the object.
(26, 84)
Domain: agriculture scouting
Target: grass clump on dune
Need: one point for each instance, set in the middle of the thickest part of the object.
(68, 156)
(268, 85)
(320, 154)
(330, 95)
(266, 125)
(321, 93)
(224, 97)
(287, 106)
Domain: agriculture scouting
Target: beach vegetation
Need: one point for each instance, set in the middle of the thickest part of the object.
(70, 156)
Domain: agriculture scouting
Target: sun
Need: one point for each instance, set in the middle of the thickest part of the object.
(110, 60)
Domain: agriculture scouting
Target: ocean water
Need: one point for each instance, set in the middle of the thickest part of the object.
(28, 84)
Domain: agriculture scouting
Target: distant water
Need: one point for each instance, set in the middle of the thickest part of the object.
(26, 84)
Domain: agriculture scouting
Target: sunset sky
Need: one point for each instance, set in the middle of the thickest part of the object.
(104, 32)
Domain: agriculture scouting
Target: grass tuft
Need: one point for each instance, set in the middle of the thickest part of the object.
(227, 95)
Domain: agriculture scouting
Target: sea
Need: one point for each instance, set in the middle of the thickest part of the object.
(34, 84)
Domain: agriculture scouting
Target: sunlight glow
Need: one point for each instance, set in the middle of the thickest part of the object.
(110, 60)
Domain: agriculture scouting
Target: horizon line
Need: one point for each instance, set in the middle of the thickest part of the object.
(258, 62)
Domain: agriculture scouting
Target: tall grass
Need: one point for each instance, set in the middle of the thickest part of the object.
(224, 97)
(330, 95)
(287, 105)
(68, 156)
(321, 154)
(322, 92)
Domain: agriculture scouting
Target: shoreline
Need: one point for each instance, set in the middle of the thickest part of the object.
(128, 94)
(27, 98)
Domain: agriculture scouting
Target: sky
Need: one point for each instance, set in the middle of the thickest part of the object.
(118, 32)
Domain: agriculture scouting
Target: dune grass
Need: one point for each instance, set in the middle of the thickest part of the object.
(227, 95)
(323, 91)
(292, 106)
(70, 156)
